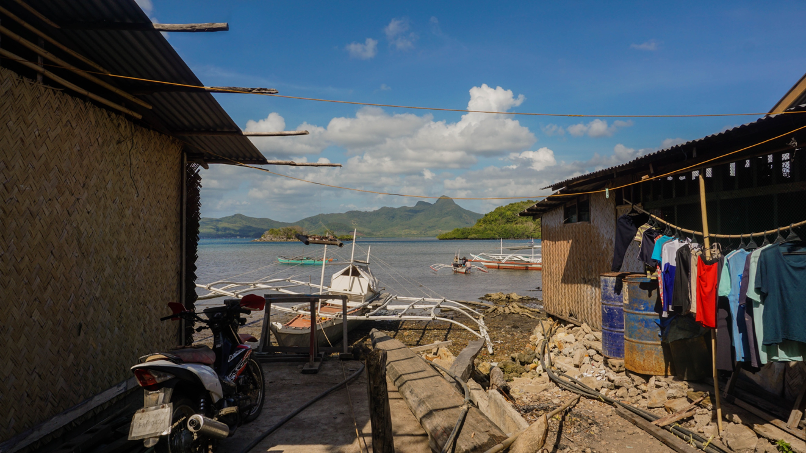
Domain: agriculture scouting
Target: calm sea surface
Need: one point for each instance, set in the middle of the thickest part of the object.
(401, 265)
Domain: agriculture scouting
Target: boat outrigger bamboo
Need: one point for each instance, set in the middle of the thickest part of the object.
(365, 302)
(512, 260)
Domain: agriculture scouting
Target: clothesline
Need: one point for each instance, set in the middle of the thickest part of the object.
(717, 235)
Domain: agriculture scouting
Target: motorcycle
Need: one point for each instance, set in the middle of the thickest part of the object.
(195, 396)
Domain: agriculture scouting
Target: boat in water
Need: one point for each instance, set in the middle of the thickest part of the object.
(361, 288)
(517, 259)
(365, 302)
(300, 260)
(459, 266)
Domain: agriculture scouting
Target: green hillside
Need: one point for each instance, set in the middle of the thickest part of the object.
(422, 220)
(502, 222)
(237, 226)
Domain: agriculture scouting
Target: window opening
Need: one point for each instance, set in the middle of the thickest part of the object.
(733, 169)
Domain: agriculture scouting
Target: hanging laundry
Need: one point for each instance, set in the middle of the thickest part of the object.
(647, 247)
(725, 353)
(626, 228)
(707, 282)
(787, 350)
(668, 268)
(781, 281)
(729, 286)
(681, 300)
(696, 251)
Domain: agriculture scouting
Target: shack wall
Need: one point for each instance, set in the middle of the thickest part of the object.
(89, 249)
(575, 255)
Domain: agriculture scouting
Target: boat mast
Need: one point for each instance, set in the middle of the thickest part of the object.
(501, 251)
(322, 279)
(352, 255)
(368, 249)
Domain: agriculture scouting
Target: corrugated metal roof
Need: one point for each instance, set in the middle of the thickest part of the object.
(709, 146)
(145, 54)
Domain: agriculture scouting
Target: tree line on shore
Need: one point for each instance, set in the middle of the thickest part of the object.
(502, 222)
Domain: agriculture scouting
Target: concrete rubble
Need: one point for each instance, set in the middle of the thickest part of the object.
(577, 352)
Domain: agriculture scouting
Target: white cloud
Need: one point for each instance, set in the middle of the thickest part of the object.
(435, 28)
(407, 142)
(668, 143)
(596, 128)
(397, 36)
(537, 160)
(553, 130)
(385, 87)
(363, 51)
(428, 175)
(650, 45)
(145, 5)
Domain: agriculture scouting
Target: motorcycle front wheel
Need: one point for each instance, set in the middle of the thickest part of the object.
(251, 384)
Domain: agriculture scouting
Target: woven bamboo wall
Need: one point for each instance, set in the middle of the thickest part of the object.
(89, 249)
(575, 255)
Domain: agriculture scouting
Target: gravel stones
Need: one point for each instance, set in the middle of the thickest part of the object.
(579, 355)
(675, 405)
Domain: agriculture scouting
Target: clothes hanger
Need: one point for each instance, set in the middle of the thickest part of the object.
(632, 209)
(751, 245)
(779, 239)
(766, 241)
(741, 242)
(792, 237)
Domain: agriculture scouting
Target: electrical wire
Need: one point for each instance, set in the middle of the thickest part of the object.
(288, 417)
(400, 106)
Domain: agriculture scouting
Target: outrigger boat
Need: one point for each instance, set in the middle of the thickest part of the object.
(513, 260)
(365, 302)
(299, 260)
(459, 266)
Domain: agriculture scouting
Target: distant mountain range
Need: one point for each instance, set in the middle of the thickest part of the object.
(422, 220)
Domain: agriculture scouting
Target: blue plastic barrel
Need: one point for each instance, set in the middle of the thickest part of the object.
(612, 317)
(643, 352)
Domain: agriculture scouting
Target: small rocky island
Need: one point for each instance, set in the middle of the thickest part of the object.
(286, 234)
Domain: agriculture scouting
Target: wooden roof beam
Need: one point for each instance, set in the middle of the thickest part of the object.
(130, 26)
(185, 89)
(241, 133)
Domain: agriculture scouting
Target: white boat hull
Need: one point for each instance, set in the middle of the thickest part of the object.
(509, 265)
(329, 332)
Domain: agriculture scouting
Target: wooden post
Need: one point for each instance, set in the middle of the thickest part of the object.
(380, 414)
(707, 243)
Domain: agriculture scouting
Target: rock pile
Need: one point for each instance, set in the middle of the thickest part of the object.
(504, 298)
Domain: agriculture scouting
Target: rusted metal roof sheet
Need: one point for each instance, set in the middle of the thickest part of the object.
(144, 54)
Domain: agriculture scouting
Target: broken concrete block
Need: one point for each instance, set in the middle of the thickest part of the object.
(616, 365)
(675, 405)
(484, 368)
(656, 398)
(578, 356)
(740, 438)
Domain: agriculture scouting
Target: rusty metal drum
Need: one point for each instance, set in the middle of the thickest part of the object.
(643, 351)
(612, 316)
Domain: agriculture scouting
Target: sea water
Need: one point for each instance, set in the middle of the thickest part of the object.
(402, 265)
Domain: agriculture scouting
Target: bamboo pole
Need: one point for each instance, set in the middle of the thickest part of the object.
(67, 84)
(56, 43)
(36, 13)
(69, 67)
(707, 244)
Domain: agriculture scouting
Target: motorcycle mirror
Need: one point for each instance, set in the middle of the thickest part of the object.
(176, 308)
(253, 302)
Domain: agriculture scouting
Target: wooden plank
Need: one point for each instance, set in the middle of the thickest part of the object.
(666, 420)
(731, 381)
(422, 348)
(241, 133)
(52, 41)
(67, 84)
(149, 26)
(379, 412)
(433, 401)
(663, 436)
(797, 410)
(39, 51)
(463, 365)
(765, 416)
(769, 426)
(57, 422)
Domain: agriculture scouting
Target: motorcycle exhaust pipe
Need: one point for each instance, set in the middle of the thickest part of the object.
(208, 427)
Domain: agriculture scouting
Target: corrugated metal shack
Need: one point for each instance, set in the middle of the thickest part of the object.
(760, 187)
(100, 203)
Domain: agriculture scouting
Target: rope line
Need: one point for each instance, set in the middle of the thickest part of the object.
(400, 106)
(718, 235)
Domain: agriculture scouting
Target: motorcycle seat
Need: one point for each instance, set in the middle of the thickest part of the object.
(200, 354)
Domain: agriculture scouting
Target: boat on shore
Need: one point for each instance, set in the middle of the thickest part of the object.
(300, 260)
(518, 259)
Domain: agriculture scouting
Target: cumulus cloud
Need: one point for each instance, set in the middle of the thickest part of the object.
(668, 143)
(363, 51)
(553, 130)
(597, 128)
(536, 160)
(385, 87)
(650, 45)
(428, 175)
(405, 142)
(397, 32)
(435, 28)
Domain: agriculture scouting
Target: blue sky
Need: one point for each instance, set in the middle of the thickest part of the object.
(560, 57)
